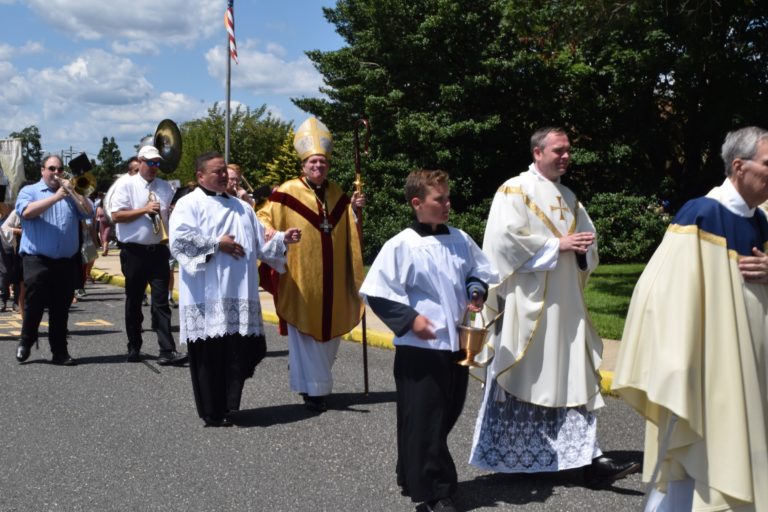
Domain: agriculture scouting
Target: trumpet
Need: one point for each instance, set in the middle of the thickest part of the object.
(158, 226)
(248, 186)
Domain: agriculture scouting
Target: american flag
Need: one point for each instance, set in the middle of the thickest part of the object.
(229, 22)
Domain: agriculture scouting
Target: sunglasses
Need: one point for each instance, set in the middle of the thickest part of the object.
(53, 168)
(152, 163)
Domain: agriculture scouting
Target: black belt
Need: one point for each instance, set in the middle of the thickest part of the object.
(141, 247)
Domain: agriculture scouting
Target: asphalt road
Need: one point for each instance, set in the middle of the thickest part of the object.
(108, 435)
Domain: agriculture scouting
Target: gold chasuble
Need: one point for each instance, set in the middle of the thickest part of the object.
(695, 347)
(318, 292)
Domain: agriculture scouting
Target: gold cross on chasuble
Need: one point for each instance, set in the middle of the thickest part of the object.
(559, 206)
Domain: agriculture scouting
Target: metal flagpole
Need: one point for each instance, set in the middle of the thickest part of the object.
(226, 118)
(229, 22)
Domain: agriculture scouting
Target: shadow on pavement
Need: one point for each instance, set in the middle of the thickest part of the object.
(289, 413)
(346, 401)
(269, 416)
(92, 332)
(520, 489)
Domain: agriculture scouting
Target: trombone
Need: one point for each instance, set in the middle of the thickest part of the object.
(78, 187)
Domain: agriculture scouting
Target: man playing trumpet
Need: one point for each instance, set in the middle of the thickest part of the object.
(139, 209)
(234, 184)
(50, 212)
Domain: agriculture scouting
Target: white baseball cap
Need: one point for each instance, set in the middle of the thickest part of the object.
(149, 153)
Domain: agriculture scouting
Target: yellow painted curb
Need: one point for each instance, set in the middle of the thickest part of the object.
(606, 382)
(102, 277)
(375, 338)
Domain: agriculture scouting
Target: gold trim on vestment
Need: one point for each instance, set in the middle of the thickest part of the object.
(706, 236)
(533, 331)
(533, 207)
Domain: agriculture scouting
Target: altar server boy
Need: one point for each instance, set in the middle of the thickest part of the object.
(420, 286)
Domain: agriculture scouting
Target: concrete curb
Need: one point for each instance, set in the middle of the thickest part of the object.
(375, 338)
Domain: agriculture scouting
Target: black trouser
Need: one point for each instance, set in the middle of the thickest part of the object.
(50, 285)
(219, 368)
(142, 265)
(8, 273)
(431, 389)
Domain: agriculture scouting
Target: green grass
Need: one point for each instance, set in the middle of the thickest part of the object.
(608, 292)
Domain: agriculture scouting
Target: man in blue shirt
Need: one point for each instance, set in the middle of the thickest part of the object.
(50, 212)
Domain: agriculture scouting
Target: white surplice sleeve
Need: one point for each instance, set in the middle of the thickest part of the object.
(188, 244)
(388, 275)
(273, 253)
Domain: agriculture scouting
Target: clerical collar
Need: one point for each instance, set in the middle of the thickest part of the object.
(536, 172)
(212, 193)
(426, 229)
(317, 188)
(732, 200)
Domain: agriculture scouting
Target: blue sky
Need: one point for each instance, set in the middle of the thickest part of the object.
(81, 70)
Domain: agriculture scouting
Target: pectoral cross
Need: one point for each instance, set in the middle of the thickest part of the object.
(559, 206)
(325, 225)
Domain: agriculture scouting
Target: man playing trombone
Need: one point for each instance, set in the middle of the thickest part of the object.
(139, 210)
(50, 211)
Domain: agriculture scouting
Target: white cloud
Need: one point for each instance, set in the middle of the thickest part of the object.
(15, 90)
(134, 25)
(8, 52)
(96, 94)
(266, 72)
(94, 78)
(7, 71)
(276, 49)
(276, 112)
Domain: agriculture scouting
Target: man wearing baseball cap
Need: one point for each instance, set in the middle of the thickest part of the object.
(139, 209)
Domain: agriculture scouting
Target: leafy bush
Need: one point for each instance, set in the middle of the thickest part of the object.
(629, 227)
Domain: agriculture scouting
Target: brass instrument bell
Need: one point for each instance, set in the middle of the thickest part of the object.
(81, 178)
(167, 140)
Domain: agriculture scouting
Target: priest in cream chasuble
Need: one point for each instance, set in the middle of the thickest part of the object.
(694, 354)
(542, 378)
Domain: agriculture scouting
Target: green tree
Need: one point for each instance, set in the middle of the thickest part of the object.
(110, 163)
(31, 151)
(256, 137)
(283, 167)
(646, 89)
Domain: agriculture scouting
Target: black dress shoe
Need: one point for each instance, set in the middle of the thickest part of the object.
(134, 356)
(172, 358)
(441, 505)
(22, 353)
(63, 360)
(217, 422)
(315, 403)
(604, 471)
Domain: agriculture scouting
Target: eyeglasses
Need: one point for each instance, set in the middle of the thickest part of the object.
(152, 163)
(53, 168)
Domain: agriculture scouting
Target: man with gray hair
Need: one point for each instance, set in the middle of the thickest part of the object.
(693, 354)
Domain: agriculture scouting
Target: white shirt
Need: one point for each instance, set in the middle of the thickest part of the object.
(429, 274)
(131, 193)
